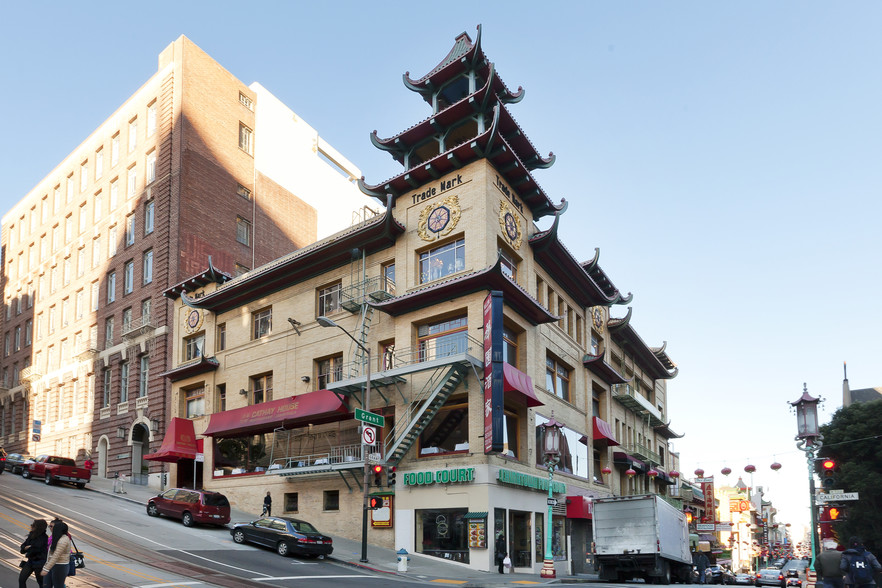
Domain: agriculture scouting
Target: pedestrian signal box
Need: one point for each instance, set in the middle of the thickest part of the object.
(375, 502)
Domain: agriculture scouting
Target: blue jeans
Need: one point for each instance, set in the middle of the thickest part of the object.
(56, 576)
(833, 582)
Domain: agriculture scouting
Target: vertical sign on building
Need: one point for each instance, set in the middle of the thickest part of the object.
(710, 508)
(493, 391)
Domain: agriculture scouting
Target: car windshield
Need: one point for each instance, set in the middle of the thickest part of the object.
(215, 500)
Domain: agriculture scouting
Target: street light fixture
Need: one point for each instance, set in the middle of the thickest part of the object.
(551, 448)
(809, 440)
(326, 322)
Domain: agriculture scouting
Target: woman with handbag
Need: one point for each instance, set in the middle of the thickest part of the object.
(57, 566)
(35, 549)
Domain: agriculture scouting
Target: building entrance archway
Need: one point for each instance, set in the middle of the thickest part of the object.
(140, 440)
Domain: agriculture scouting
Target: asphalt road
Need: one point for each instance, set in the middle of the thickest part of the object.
(125, 547)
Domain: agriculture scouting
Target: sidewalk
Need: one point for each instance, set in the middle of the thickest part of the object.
(380, 559)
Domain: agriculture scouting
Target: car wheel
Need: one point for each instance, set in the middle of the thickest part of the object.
(152, 510)
(81, 485)
(25, 474)
(239, 537)
(282, 548)
(187, 519)
(48, 479)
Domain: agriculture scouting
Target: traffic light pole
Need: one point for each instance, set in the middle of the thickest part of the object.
(367, 468)
(811, 449)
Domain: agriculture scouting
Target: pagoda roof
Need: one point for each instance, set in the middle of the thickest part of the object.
(550, 253)
(210, 275)
(647, 357)
(491, 278)
(490, 145)
(372, 235)
(602, 279)
(598, 365)
(480, 101)
(664, 358)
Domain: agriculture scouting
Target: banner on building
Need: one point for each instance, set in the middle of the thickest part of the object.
(710, 510)
(493, 384)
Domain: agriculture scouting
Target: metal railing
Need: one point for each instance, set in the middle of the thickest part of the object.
(377, 288)
(336, 455)
(421, 353)
(29, 373)
(643, 452)
(137, 326)
(639, 403)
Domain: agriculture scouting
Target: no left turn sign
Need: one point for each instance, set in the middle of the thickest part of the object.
(369, 436)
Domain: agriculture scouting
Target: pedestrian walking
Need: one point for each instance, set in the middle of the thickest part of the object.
(267, 505)
(501, 552)
(859, 564)
(58, 563)
(827, 566)
(699, 559)
(89, 464)
(35, 548)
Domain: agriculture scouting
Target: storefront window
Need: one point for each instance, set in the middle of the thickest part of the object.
(510, 435)
(241, 455)
(519, 539)
(574, 454)
(558, 538)
(443, 533)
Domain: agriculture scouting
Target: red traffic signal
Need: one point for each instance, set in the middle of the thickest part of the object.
(378, 475)
(828, 464)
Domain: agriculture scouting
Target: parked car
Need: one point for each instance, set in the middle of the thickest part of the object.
(2, 463)
(285, 535)
(745, 579)
(721, 575)
(16, 462)
(191, 506)
(770, 577)
(53, 469)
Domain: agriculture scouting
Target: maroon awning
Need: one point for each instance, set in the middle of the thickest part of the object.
(292, 411)
(602, 432)
(514, 380)
(179, 442)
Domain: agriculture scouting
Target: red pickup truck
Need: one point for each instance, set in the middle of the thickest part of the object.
(52, 469)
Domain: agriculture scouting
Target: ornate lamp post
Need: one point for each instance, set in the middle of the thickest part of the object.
(326, 322)
(551, 448)
(809, 440)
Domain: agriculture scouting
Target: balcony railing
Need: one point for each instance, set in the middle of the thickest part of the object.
(643, 452)
(136, 327)
(377, 288)
(30, 374)
(632, 399)
(406, 356)
(335, 456)
(86, 349)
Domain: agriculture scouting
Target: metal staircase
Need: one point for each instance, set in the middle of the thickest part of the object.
(422, 410)
(357, 367)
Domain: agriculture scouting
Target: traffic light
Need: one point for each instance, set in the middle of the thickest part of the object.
(378, 475)
(375, 502)
(837, 513)
(390, 476)
(828, 473)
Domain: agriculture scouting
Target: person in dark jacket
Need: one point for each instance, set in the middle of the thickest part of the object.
(699, 559)
(827, 566)
(268, 504)
(857, 560)
(501, 552)
(35, 549)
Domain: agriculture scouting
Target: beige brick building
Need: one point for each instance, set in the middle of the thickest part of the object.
(272, 393)
(194, 166)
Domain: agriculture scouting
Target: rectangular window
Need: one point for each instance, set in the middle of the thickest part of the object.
(148, 266)
(243, 192)
(151, 118)
(124, 382)
(448, 431)
(114, 150)
(66, 270)
(388, 273)
(261, 389)
(56, 238)
(220, 398)
(133, 134)
(81, 262)
(442, 261)
(68, 228)
(246, 101)
(84, 220)
(56, 199)
(105, 397)
(331, 500)
(194, 346)
(127, 319)
(144, 376)
(84, 175)
(246, 139)
(330, 370)
(443, 338)
(98, 206)
(93, 297)
(99, 163)
(145, 310)
(557, 378)
(112, 235)
(96, 251)
(114, 193)
(130, 230)
(149, 208)
(291, 502)
(151, 166)
(111, 287)
(29, 330)
(79, 304)
(108, 332)
(509, 264)
(263, 323)
(243, 231)
(509, 347)
(129, 277)
(195, 399)
(44, 209)
(65, 312)
(132, 181)
(329, 299)
(221, 337)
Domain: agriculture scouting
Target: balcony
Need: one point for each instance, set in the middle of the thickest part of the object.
(343, 457)
(628, 396)
(141, 402)
(87, 349)
(29, 374)
(643, 452)
(136, 327)
(377, 288)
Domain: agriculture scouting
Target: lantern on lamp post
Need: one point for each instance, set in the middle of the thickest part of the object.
(551, 433)
(809, 440)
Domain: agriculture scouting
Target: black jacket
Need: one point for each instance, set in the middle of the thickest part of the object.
(36, 548)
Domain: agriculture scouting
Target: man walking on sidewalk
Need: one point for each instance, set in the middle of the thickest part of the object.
(267, 505)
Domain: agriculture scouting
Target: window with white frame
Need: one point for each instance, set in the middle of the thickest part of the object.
(114, 150)
(81, 262)
(96, 251)
(56, 238)
(151, 118)
(111, 287)
(80, 304)
(329, 299)
(84, 175)
(144, 376)
(114, 193)
(112, 236)
(195, 401)
(148, 266)
(133, 134)
(130, 230)
(99, 163)
(262, 322)
(194, 346)
(246, 101)
(127, 319)
(99, 206)
(68, 228)
(243, 231)
(66, 270)
(124, 381)
(557, 377)
(56, 200)
(93, 295)
(70, 189)
(149, 209)
(246, 139)
(129, 277)
(151, 166)
(84, 219)
(105, 393)
(44, 209)
(108, 332)
(132, 181)
(442, 261)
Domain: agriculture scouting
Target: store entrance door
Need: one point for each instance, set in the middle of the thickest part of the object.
(520, 540)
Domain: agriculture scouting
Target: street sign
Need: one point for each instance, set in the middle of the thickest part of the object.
(369, 436)
(837, 497)
(200, 458)
(724, 526)
(705, 527)
(36, 437)
(369, 418)
(37, 426)
(552, 501)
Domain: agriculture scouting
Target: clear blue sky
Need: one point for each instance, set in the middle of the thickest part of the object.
(725, 157)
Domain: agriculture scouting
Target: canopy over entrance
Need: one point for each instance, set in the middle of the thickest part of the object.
(179, 442)
(321, 406)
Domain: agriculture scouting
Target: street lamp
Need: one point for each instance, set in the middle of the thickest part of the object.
(809, 440)
(326, 322)
(551, 449)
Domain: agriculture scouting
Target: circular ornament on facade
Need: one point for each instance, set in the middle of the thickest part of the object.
(597, 318)
(510, 224)
(438, 220)
(193, 320)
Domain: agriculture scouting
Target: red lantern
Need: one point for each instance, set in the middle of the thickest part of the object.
(674, 474)
(699, 473)
(750, 468)
(606, 471)
(726, 471)
(775, 466)
(652, 473)
(630, 473)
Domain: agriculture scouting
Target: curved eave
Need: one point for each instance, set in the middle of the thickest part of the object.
(303, 264)
(553, 257)
(460, 58)
(617, 324)
(490, 278)
(597, 365)
(665, 359)
(629, 340)
(194, 368)
(209, 276)
(666, 431)
(499, 153)
(600, 277)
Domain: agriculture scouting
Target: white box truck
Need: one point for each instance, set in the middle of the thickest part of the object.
(641, 537)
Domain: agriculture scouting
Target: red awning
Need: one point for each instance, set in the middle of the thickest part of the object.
(179, 442)
(602, 432)
(514, 380)
(292, 411)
